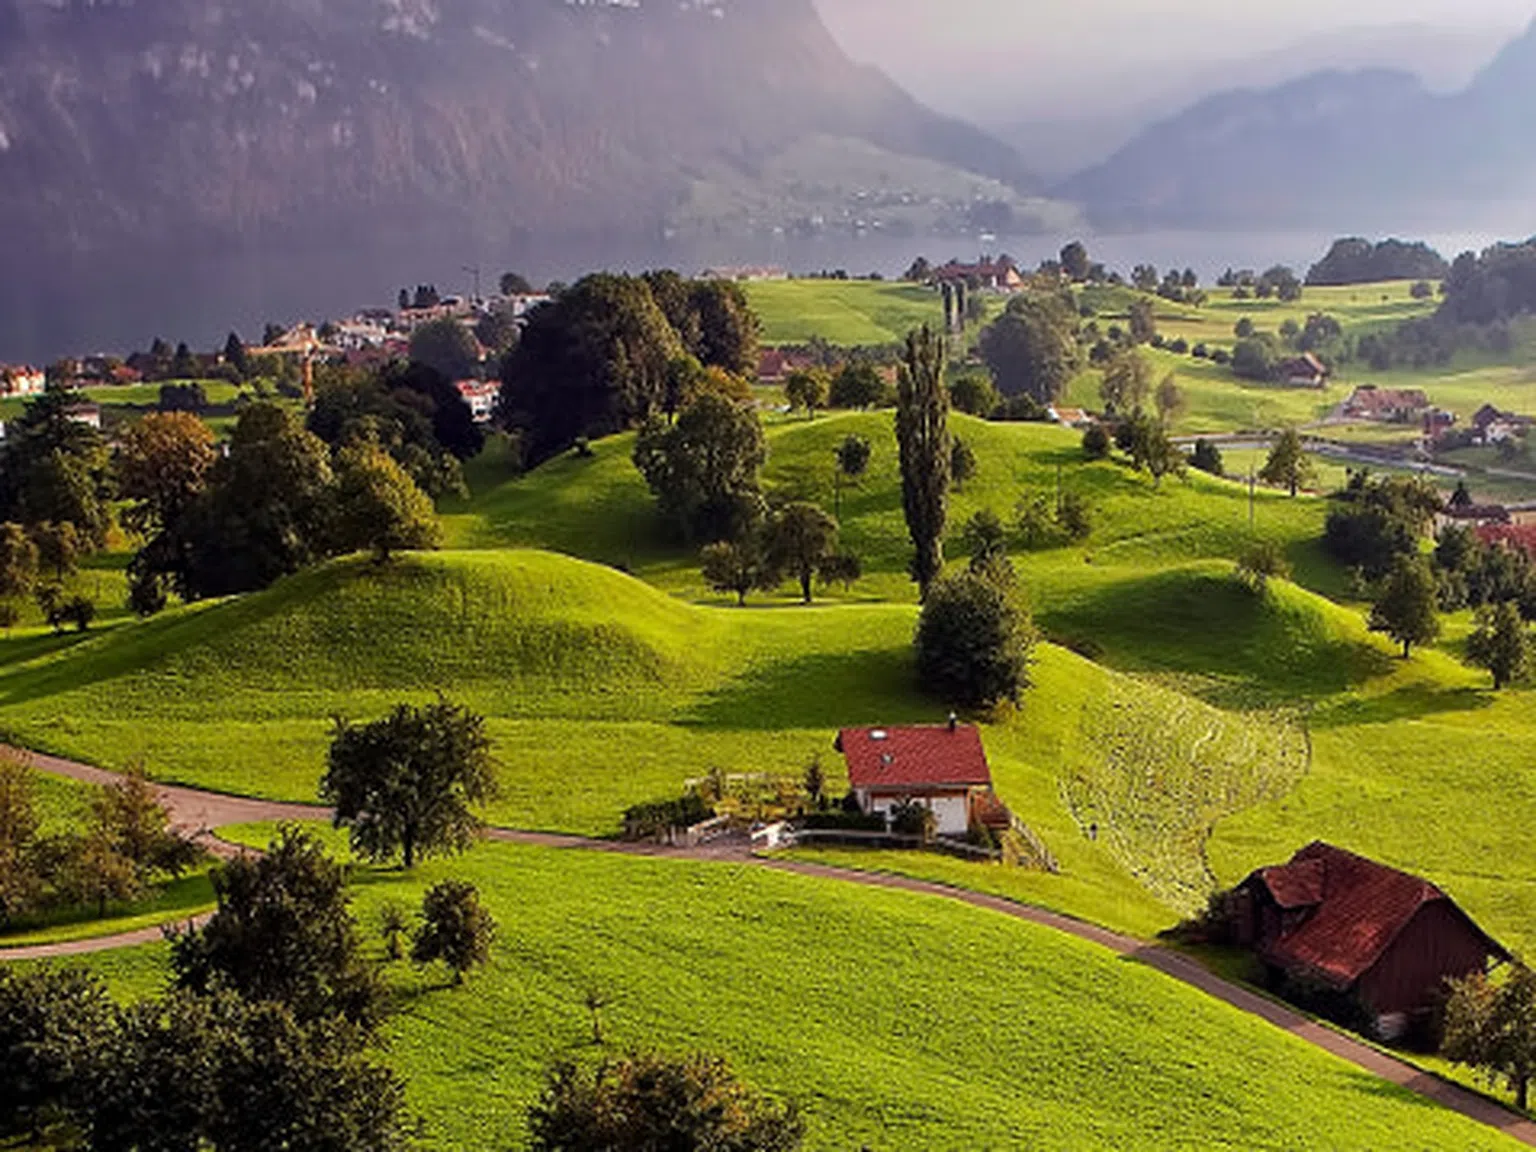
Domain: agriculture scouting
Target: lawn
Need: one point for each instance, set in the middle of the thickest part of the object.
(847, 313)
(894, 1021)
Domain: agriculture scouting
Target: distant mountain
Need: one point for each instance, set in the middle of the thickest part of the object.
(255, 122)
(1369, 148)
(1107, 116)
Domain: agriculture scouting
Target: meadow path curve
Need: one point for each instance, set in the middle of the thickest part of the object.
(199, 813)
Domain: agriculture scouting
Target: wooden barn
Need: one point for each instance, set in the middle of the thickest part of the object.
(1381, 937)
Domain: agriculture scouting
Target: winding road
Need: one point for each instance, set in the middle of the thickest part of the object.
(199, 814)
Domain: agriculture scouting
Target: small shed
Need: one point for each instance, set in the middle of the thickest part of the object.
(1384, 938)
(943, 767)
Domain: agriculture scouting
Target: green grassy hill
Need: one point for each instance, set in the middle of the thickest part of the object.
(847, 313)
(895, 1021)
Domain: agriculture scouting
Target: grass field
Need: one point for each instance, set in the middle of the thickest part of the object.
(895, 1021)
(848, 313)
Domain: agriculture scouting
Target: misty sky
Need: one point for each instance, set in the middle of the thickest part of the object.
(933, 46)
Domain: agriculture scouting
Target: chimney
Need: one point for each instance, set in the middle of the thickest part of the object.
(954, 722)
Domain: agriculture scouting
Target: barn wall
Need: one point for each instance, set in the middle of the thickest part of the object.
(1438, 944)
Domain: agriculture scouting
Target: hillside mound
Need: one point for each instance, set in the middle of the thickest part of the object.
(521, 620)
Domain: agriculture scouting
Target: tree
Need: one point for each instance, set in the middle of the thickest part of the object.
(18, 564)
(852, 456)
(808, 388)
(1261, 562)
(514, 284)
(1244, 328)
(962, 463)
(1143, 322)
(704, 469)
(446, 346)
(455, 929)
(1127, 382)
(922, 432)
(1207, 458)
(1288, 465)
(1170, 400)
(738, 566)
(593, 362)
(973, 642)
(801, 537)
(974, 395)
(56, 1027)
(267, 512)
(19, 825)
(1032, 348)
(1500, 644)
(985, 539)
(129, 818)
(1462, 497)
(96, 873)
(1075, 516)
(1254, 359)
(236, 357)
(1096, 442)
(497, 331)
(1492, 1027)
(1151, 449)
(409, 783)
(857, 385)
(379, 507)
(282, 932)
(654, 1103)
(56, 469)
(59, 547)
(163, 465)
(1406, 607)
(1075, 262)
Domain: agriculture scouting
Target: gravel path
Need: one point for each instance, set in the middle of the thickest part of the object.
(200, 813)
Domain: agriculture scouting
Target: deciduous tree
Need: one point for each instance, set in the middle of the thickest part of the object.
(974, 640)
(1127, 382)
(738, 566)
(411, 782)
(1492, 1027)
(379, 508)
(1288, 465)
(446, 346)
(801, 537)
(456, 929)
(704, 469)
(808, 388)
(163, 464)
(1406, 608)
(1500, 644)
(653, 1103)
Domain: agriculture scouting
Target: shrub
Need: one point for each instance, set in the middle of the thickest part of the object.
(1096, 442)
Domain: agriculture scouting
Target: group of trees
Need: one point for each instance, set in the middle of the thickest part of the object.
(43, 564)
(1375, 520)
(126, 846)
(1354, 260)
(609, 352)
(264, 1041)
(1278, 282)
(798, 541)
(1033, 349)
(276, 501)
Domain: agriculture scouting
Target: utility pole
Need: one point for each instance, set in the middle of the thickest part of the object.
(1253, 490)
(474, 271)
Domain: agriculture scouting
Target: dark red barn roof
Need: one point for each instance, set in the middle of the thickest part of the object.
(939, 757)
(1360, 907)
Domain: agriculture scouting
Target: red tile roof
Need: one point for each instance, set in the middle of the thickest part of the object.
(1360, 908)
(938, 757)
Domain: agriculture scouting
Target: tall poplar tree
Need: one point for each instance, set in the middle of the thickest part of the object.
(922, 431)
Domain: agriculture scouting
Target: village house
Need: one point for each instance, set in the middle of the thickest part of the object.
(1079, 418)
(1384, 939)
(944, 768)
(1000, 275)
(358, 334)
(481, 397)
(1306, 371)
(1492, 426)
(22, 380)
(1386, 405)
(300, 340)
(87, 414)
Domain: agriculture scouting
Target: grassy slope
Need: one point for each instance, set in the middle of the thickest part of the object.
(895, 1021)
(842, 312)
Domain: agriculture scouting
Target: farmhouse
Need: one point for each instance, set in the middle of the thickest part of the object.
(1385, 939)
(481, 397)
(1071, 417)
(1386, 405)
(1306, 371)
(1493, 426)
(943, 768)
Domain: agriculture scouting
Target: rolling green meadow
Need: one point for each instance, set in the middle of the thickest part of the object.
(894, 1020)
(1180, 731)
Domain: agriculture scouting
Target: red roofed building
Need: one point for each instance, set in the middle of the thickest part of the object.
(1385, 939)
(943, 768)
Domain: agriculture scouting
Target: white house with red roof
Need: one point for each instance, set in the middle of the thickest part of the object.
(943, 767)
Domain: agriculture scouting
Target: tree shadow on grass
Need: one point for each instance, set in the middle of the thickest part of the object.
(876, 686)
(1414, 702)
